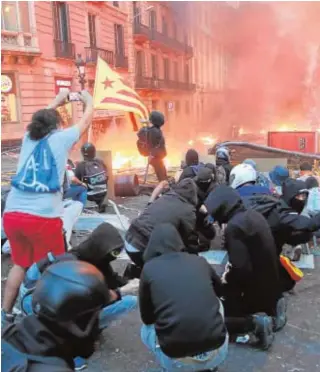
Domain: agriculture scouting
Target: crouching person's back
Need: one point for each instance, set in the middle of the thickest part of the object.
(182, 315)
(66, 302)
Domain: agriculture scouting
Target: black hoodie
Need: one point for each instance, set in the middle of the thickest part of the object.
(35, 337)
(177, 295)
(177, 206)
(251, 248)
(97, 249)
(290, 189)
(287, 226)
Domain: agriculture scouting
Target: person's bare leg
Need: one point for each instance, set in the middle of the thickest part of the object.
(11, 291)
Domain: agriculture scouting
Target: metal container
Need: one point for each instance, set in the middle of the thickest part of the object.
(126, 185)
(305, 142)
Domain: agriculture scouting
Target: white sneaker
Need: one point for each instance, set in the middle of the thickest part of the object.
(6, 249)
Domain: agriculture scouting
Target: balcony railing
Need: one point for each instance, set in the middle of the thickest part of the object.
(64, 49)
(121, 61)
(144, 82)
(140, 29)
(92, 54)
(170, 42)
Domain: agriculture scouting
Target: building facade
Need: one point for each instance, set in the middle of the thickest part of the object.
(167, 51)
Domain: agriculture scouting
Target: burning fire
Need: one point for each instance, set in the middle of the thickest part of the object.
(126, 162)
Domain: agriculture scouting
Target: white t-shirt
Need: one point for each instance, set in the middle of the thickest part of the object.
(43, 204)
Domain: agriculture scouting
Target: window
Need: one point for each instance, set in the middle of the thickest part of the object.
(92, 30)
(154, 66)
(153, 20)
(61, 21)
(164, 26)
(136, 13)
(176, 71)
(116, 4)
(119, 39)
(139, 63)
(166, 69)
(9, 111)
(10, 19)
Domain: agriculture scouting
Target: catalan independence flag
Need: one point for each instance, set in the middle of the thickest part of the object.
(111, 93)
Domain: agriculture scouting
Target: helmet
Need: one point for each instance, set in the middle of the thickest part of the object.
(223, 153)
(71, 294)
(156, 118)
(241, 174)
(88, 151)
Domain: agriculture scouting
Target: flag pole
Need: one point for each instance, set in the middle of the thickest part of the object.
(147, 171)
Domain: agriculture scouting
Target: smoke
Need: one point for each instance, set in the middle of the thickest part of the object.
(273, 49)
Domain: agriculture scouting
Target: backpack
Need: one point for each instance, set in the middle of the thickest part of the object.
(266, 205)
(143, 142)
(39, 174)
(221, 175)
(313, 202)
(13, 360)
(95, 176)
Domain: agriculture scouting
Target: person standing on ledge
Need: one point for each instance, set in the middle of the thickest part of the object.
(151, 143)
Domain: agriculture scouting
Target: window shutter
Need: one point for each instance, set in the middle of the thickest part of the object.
(55, 18)
(68, 21)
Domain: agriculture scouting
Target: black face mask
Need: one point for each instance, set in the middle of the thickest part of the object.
(298, 205)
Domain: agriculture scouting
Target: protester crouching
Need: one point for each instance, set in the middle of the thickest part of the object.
(93, 173)
(287, 225)
(182, 317)
(101, 248)
(177, 206)
(277, 176)
(32, 216)
(262, 180)
(74, 188)
(244, 178)
(252, 297)
(66, 303)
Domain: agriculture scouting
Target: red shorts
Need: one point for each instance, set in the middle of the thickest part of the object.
(32, 237)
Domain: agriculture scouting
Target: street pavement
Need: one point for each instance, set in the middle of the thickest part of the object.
(296, 347)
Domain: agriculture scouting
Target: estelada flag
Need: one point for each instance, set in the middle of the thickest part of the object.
(111, 93)
(295, 273)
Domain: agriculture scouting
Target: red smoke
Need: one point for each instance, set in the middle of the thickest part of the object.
(272, 48)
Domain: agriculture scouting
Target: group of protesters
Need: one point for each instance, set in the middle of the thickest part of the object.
(189, 312)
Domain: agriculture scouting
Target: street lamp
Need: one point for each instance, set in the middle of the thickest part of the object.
(81, 66)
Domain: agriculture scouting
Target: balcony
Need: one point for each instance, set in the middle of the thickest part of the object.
(18, 45)
(64, 49)
(150, 83)
(141, 32)
(92, 54)
(121, 61)
(161, 40)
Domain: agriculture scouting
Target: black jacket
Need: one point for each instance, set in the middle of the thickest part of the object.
(177, 295)
(157, 142)
(177, 206)
(287, 226)
(250, 245)
(31, 336)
